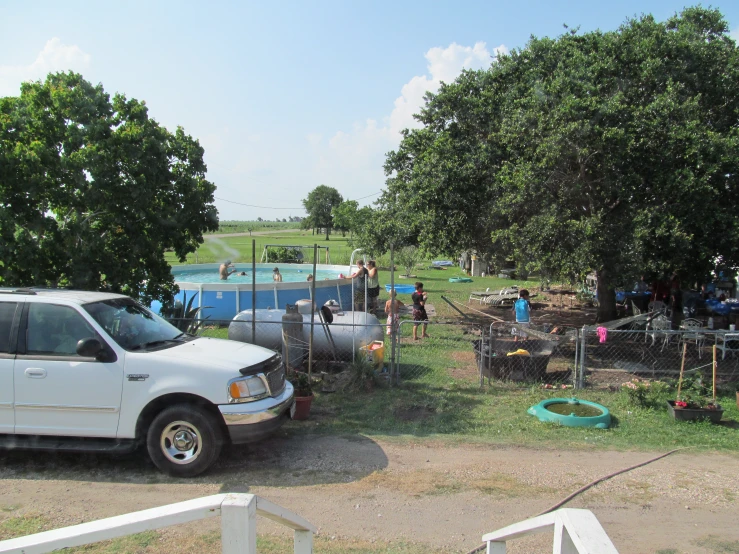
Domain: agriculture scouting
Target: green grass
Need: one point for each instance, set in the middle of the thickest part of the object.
(229, 226)
(497, 414)
(239, 250)
(155, 542)
(719, 546)
(30, 524)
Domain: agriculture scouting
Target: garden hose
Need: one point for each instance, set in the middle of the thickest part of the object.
(592, 484)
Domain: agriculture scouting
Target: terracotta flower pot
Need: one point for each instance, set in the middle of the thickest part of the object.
(302, 407)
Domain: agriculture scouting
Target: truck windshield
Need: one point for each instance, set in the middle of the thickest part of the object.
(134, 327)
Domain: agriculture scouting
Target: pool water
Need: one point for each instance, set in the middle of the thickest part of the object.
(580, 410)
(264, 275)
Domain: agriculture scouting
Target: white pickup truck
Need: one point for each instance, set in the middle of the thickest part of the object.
(98, 371)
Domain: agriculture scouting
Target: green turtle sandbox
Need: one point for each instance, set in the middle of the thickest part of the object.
(460, 280)
(572, 412)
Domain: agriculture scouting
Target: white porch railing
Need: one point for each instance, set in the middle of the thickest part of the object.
(238, 525)
(575, 532)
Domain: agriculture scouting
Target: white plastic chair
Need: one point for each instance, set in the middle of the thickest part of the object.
(723, 341)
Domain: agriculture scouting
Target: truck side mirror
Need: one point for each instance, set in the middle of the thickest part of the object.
(89, 348)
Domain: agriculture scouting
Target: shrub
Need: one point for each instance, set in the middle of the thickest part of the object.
(644, 393)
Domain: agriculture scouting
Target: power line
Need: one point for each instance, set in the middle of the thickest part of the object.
(254, 206)
(271, 208)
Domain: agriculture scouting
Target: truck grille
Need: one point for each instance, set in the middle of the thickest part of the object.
(276, 378)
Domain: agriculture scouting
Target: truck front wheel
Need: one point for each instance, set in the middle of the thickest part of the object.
(184, 440)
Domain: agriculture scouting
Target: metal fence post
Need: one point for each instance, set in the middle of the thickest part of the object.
(312, 313)
(577, 359)
(481, 362)
(581, 374)
(253, 291)
(393, 315)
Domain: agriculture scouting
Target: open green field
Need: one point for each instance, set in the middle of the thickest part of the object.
(239, 249)
(229, 226)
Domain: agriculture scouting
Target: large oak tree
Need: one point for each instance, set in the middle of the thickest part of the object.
(93, 191)
(609, 151)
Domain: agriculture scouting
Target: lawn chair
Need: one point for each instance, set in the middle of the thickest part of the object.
(691, 334)
(727, 342)
(660, 328)
(480, 296)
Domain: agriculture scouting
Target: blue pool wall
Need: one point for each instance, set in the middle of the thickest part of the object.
(222, 301)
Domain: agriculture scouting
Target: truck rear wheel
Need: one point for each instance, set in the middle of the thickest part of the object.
(184, 440)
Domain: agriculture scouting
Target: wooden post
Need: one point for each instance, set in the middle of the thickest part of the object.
(239, 525)
(714, 374)
(312, 312)
(682, 370)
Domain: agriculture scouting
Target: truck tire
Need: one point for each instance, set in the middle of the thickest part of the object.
(184, 440)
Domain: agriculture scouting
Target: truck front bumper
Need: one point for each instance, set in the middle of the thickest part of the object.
(253, 421)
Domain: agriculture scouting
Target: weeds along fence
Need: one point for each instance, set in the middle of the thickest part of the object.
(616, 356)
(461, 353)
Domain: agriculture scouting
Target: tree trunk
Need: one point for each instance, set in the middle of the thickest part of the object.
(327, 230)
(606, 298)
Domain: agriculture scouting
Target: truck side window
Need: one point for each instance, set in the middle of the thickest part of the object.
(55, 330)
(7, 311)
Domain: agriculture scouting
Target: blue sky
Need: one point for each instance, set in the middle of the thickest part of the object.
(285, 96)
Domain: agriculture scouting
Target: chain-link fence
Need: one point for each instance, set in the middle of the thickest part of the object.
(611, 357)
(338, 355)
(444, 356)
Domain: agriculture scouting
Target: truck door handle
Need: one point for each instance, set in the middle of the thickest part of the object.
(35, 373)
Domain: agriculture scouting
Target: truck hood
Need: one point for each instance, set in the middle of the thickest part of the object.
(226, 354)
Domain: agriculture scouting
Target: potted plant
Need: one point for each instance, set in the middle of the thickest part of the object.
(303, 394)
(694, 402)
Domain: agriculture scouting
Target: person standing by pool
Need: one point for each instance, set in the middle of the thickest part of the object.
(373, 286)
(360, 280)
(522, 308)
(419, 311)
(276, 275)
(223, 270)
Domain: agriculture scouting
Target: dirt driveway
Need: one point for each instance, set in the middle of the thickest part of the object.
(443, 496)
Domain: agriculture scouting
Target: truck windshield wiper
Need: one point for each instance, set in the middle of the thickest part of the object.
(153, 343)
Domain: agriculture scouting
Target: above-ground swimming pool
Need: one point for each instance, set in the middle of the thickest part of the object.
(222, 300)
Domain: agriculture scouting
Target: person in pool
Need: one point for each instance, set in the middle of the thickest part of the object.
(276, 275)
(223, 270)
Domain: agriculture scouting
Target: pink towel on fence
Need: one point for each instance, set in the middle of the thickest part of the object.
(602, 334)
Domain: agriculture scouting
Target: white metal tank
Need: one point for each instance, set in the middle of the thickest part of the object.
(350, 331)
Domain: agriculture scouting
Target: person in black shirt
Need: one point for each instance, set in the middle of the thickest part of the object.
(419, 311)
(360, 281)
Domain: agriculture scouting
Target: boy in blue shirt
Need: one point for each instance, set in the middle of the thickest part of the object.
(522, 308)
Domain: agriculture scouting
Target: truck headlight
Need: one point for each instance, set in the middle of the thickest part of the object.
(247, 388)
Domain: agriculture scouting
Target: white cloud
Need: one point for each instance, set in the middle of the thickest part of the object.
(444, 65)
(352, 160)
(55, 56)
(271, 173)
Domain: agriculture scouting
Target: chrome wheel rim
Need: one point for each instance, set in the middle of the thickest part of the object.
(181, 442)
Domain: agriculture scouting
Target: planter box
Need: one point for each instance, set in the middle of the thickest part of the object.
(694, 414)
